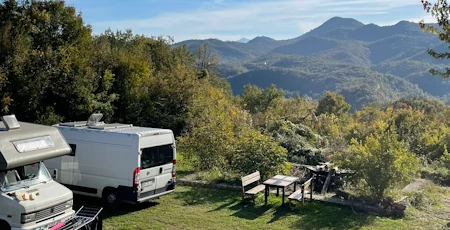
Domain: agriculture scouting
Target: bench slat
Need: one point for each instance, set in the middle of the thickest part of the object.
(246, 180)
(307, 183)
(255, 190)
(297, 195)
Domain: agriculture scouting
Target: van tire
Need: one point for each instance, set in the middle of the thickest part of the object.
(4, 225)
(110, 197)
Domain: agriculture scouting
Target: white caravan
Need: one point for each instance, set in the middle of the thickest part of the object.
(29, 197)
(116, 162)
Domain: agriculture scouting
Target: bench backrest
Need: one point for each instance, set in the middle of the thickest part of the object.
(246, 180)
(307, 183)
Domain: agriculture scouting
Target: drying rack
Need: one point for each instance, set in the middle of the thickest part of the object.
(87, 218)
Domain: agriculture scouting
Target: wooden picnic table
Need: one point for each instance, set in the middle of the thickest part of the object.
(279, 181)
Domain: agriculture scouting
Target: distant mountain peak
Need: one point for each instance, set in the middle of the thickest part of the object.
(243, 40)
(333, 24)
(342, 22)
(407, 25)
(261, 39)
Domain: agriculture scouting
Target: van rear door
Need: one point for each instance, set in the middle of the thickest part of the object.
(148, 171)
(165, 170)
(156, 168)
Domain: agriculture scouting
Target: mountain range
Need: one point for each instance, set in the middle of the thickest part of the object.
(364, 62)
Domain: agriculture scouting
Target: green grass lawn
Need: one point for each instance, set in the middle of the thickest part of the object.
(205, 208)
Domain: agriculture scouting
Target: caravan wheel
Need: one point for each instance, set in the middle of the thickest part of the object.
(110, 197)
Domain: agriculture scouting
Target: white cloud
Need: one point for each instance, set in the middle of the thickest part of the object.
(426, 19)
(231, 21)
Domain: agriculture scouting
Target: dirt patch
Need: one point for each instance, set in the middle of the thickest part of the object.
(416, 185)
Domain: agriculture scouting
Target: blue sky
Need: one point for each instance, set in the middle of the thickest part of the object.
(233, 19)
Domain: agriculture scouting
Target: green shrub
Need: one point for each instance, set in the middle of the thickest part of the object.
(438, 171)
(429, 195)
(419, 200)
(379, 163)
(257, 152)
(299, 140)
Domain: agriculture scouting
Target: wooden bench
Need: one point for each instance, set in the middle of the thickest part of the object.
(305, 189)
(250, 179)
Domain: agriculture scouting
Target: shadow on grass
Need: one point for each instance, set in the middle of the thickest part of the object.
(247, 210)
(316, 215)
(183, 173)
(313, 215)
(200, 195)
(252, 212)
(121, 209)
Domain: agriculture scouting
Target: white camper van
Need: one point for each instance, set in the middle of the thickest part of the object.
(29, 197)
(116, 162)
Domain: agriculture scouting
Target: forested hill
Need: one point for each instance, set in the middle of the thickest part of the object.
(364, 62)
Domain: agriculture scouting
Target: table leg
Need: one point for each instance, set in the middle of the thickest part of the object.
(283, 197)
(278, 191)
(266, 193)
(295, 186)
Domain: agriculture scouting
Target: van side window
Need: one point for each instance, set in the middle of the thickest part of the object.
(156, 156)
(74, 149)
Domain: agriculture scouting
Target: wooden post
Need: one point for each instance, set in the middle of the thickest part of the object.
(303, 195)
(327, 181)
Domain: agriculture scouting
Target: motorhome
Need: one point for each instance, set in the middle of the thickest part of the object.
(116, 162)
(29, 197)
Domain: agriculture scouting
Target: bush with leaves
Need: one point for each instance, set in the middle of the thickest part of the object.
(379, 163)
(220, 137)
(213, 124)
(257, 152)
(332, 103)
(302, 144)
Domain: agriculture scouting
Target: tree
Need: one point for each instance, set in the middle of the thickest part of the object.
(299, 140)
(256, 100)
(206, 61)
(45, 63)
(251, 98)
(379, 163)
(257, 152)
(439, 10)
(332, 103)
(213, 125)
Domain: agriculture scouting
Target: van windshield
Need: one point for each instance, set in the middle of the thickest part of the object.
(23, 177)
(156, 156)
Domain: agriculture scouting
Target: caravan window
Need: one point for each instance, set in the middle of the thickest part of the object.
(156, 156)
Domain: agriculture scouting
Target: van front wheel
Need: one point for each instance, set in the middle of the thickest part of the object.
(110, 197)
(4, 225)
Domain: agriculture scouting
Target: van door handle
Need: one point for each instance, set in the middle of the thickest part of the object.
(160, 170)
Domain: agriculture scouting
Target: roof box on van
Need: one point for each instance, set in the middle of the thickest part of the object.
(94, 122)
(23, 143)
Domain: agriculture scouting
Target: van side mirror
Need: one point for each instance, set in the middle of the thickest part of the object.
(55, 174)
